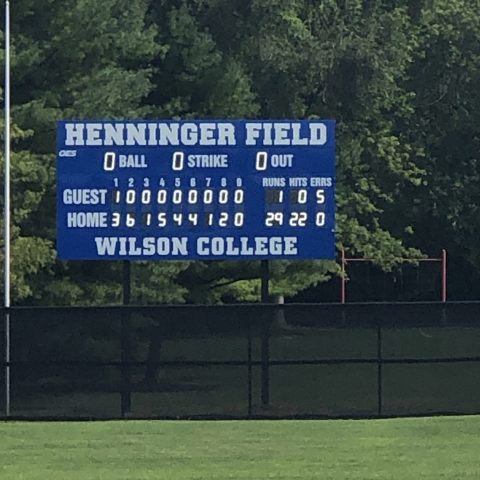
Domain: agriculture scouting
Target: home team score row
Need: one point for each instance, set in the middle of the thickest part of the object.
(195, 189)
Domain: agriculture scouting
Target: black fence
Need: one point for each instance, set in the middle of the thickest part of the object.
(241, 361)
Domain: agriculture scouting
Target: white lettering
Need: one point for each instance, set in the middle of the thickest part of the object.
(207, 132)
(244, 246)
(193, 133)
(106, 245)
(87, 220)
(226, 134)
(290, 246)
(136, 134)
(318, 134)
(114, 134)
(296, 137)
(253, 132)
(84, 196)
(189, 134)
(281, 134)
(152, 134)
(93, 134)
(74, 134)
(149, 246)
(168, 134)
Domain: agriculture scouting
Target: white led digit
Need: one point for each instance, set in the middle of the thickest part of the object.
(177, 161)
(177, 219)
(147, 219)
(162, 219)
(162, 197)
(298, 219)
(130, 199)
(273, 219)
(238, 197)
(209, 219)
(192, 196)
(273, 196)
(193, 218)
(146, 197)
(238, 219)
(115, 219)
(177, 197)
(207, 197)
(223, 221)
(130, 221)
(321, 196)
(109, 161)
(269, 219)
(302, 196)
(320, 219)
(223, 196)
(261, 163)
(116, 196)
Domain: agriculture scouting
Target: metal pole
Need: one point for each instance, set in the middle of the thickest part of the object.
(265, 292)
(265, 281)
(249, 372)
(127, 275)
(7, 209)
(126, 396)
(379, 372)
(343, 284)
(444, 275)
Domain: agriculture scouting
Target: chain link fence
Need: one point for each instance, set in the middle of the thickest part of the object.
(241, 361)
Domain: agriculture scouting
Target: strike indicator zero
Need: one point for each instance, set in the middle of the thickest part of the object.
(195, 189)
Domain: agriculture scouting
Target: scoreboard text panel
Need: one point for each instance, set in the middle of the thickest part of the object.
(195, 189)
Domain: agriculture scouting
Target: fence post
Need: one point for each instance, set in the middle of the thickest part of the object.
(7, 363)
(265, 298)
(379, 371)
(126, 397)
(343, 287)
(444, 275)
(249, 371)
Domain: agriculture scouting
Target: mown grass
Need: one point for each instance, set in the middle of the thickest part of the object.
(401, 449)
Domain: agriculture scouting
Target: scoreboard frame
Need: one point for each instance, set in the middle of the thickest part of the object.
(198, 189)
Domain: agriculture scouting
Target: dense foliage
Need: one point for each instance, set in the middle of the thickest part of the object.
(400, 77)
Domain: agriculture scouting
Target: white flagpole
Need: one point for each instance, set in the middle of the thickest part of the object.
(7, 207)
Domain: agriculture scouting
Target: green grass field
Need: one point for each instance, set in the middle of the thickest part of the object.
(401, 449)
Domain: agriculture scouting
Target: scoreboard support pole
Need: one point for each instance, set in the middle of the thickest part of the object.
(265, 354)
(126, 396)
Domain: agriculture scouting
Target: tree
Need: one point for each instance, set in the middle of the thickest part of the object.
(300, 59)
(377, 67)
(70, 59)
(29, 253)
(444, 80)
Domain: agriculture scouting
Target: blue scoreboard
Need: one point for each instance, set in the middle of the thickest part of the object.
(203, 189)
